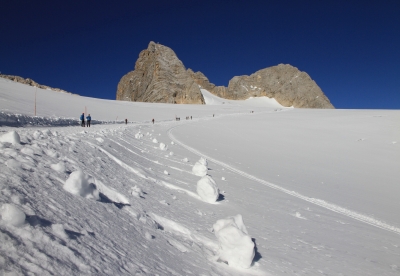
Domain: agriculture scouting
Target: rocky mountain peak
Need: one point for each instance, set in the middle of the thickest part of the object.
(159, 76)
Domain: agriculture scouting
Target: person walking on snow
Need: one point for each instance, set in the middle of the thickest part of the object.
(88, 119)
(153, 121)
(82, 118)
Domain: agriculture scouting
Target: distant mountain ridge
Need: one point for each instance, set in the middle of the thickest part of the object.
(31, 82)
(159, 76)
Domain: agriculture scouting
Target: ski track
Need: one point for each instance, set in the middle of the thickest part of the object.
(319, 202)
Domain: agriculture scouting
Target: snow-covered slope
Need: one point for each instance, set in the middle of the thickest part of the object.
(317, 189)
(211, 99)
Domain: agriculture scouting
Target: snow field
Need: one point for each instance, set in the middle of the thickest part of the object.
(70, 161)
(304, 200)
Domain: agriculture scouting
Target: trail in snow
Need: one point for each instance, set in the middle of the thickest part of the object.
(322, 203)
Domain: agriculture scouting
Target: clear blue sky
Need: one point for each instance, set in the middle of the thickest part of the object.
(350, 48)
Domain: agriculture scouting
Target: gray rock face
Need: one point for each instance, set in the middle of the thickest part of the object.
(31, 82)
(159, 77)
(288, 85)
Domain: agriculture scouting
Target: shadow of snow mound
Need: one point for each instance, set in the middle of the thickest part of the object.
(257, 255)
(37, 221)
(105, 199)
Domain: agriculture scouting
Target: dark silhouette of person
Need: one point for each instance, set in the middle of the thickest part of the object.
(153, 121)
(88, 119)
(126, 121)
(82, 118)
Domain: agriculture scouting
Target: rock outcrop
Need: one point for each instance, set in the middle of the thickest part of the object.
(159, 77)
(285, 83)
(31, 82)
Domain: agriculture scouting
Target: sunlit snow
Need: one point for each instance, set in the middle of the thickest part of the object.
(280, 191)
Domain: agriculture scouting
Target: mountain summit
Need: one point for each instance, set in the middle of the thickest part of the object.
(159, 76)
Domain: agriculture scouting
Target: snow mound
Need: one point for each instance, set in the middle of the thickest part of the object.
(80, 184)
(163, 146)
(136, 191)
(207, 189)
(138, 135)
(203, 161)
(236, 246)
(12, 215)
(59, 167)
(11, 137)
(200, 167)
(59, 231)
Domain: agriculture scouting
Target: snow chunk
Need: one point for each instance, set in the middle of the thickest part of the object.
(163, 146)
(136, 191)
(12, 215)
(155, 141)
(11, 137)
(200, 167)
(172, 143)
(185, 160)
(13, 164)
(171, 153)
(236, 246)
(207, 189)
(79, 184)
(166, 172)
(138, 135)
(203, 161)
(59, 231)
(223, 178)
(148, 236)
(59, 167)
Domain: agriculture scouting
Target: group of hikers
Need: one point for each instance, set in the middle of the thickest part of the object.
(88, 119)
(179, 118)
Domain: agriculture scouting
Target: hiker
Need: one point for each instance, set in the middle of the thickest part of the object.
(82, 118)
(88, 119)
(153, 121)
(190, 117)
(126, 121)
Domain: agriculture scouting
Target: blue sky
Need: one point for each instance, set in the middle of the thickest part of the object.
(350, 48)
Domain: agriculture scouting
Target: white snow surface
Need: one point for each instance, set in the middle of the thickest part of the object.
(317, 189)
